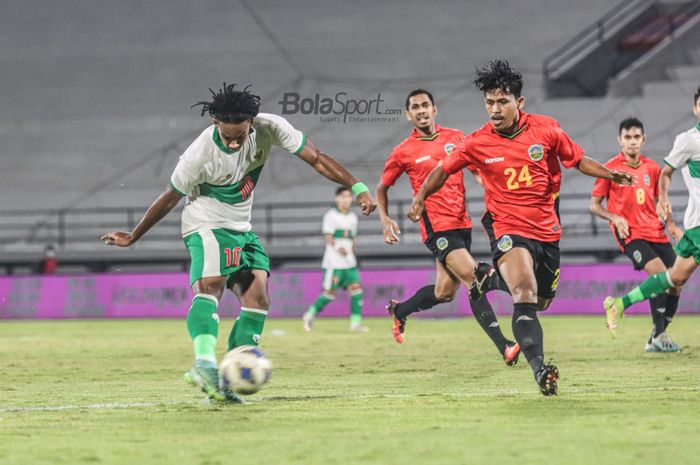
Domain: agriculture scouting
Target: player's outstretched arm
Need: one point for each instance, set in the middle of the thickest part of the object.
(592, 168)
(435, 180)
(334, 171)
(156, 212)
(595, 206)
(390, 230)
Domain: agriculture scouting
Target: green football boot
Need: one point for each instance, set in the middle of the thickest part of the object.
(231, 397)
(205, 375)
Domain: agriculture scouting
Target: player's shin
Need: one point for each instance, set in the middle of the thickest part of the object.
(203, 326)
(356, 307)
(654, 285)
(248, 328)
(671, 308)
(495, 282)
(483, 312)
(528, 332)
(320, 303)
(423, 299)
(658, 313)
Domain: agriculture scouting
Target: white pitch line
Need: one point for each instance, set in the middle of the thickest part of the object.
(58, 408)
(466, 395)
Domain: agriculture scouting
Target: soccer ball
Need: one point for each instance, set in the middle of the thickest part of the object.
(245, 370)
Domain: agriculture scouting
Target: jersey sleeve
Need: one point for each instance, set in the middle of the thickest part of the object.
(459, 158)
(680, 153)
(601, 188)
(189, 171)
(568, 151)
(328, 226)
(285, 135)
(392, 168)
(354, 225)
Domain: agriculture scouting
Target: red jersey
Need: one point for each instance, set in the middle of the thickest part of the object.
(518, 173)
(637, 203)
(417, 156)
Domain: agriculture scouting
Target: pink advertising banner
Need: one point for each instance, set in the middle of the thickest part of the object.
(582, 289)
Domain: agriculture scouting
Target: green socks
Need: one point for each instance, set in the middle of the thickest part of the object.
(654, 285)
(356, 307)
(322, 300)
(203, 326)
(248, 328)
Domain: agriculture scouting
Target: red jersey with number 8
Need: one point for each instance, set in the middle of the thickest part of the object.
(518, 173)
(417, 156)
(637, 203)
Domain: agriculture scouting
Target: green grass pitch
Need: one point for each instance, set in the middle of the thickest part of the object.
(104, 392)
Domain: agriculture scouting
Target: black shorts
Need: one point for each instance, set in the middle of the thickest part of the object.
(642, 252)
(444, 242)
(545, 255)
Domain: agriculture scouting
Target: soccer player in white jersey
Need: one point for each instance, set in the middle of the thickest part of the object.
(218, 173)
(684, 156)
(339, 261)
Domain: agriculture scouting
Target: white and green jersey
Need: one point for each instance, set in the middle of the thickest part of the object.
(343, 228)
(219, 182)
(685, 155)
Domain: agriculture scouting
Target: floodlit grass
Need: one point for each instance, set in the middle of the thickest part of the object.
(111, 392)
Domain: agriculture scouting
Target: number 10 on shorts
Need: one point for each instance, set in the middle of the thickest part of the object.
(233, 256)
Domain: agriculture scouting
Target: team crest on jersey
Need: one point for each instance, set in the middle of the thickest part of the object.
(258, 154)
(441, 243)
(637, 256)
(449, 148)
(536, 152)
(505, 243)
(647, 180)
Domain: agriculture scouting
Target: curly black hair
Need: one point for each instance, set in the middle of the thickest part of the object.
(499, 75)
(230, 105)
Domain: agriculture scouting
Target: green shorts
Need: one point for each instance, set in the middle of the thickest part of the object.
(340, 279)
(689, 245)
(221, 252)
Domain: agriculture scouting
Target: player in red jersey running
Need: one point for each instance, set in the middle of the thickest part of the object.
(631, 211)
(445, 224)
(512, 153)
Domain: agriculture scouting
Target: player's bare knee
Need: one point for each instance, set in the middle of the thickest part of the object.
(209, 286)
(445, 295)
(524, 294)
(262, 302)
(678, 277)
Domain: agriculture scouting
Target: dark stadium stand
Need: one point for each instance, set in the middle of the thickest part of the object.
(91, 129)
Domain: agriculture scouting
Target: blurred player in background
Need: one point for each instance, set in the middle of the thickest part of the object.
(512, 155)
(218, 173)
(340, 269)
(631, 211)
(684, 156)
(445, 224)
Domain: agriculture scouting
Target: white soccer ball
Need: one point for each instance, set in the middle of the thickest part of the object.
(245, 370)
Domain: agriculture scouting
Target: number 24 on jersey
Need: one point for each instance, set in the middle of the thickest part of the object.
(518, 178)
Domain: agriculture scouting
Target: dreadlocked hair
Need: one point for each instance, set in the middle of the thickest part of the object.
(230, 105)
(499, 75)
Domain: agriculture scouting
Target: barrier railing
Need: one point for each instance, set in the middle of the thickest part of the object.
(80, 228)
